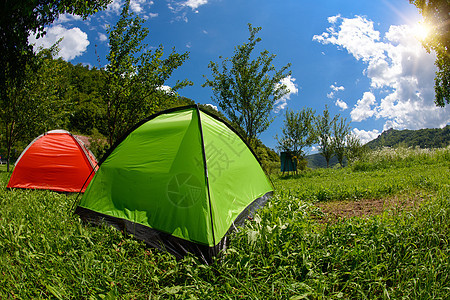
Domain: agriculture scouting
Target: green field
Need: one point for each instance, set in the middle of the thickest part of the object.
(290, 250)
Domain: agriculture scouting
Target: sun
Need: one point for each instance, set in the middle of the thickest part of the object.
(421, 31)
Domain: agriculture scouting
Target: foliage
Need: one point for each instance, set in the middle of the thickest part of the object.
(284, 252)
(98, 144)
(297, 132)
(248, 90)
(341, 132)
(423, 138)
(355, 149)
(323, 132)
(36, 105)
(134, 76)
(436, 14)
(20, 18)
(86, 91)
(269, 159)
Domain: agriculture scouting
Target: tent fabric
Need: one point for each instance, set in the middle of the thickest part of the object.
(55, 160)
(181, 180)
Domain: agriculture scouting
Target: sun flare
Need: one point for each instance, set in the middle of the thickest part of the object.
(421, 31)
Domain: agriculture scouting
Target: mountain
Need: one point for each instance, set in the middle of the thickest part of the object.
(423, 138)
(318, 161)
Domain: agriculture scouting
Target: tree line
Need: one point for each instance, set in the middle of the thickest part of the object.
(303, 129)
(49, 93)
(422, 138)
(38, 92)
(106, 102)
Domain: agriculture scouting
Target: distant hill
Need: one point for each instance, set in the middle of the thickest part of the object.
(423, 138)
(318, 161)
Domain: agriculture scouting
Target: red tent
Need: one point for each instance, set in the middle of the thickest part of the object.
(55, 160)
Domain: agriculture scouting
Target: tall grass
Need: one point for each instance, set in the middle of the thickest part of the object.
(386, 157)
(283, 253)
(382, 173)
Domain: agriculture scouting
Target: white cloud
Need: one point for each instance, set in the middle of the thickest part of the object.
(74, 41)
(366, 136)
(289, 82)
(65, 18)
(140, 7)
(179, 8)
(136, 5)
(165, 88)
(363, 108)
(115, 7)
(401, 72)
(194, 4)
(212, 106)
(333, 19)
(341, 104)
(102, 37)
(334, 89)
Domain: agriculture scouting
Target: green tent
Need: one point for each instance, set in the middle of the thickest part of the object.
(180, 180)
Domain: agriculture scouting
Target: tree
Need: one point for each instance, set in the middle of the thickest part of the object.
(86, 93)
(323, 131)
(247, 90)
(355, 149)
(17, 20)
(436, 14)
(37, 104)
(135, 76)
(297, 132)
(341, 131)
(20, 18)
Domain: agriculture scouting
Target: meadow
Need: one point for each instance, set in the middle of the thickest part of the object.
(297, 247)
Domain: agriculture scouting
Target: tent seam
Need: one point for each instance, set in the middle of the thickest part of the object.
(206, 174)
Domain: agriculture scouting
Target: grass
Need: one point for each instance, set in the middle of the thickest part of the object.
(283, 253)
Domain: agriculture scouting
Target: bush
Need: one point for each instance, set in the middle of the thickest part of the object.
(98, 145)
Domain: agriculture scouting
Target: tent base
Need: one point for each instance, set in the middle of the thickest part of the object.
(177, 246)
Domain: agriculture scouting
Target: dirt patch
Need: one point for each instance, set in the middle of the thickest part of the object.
(335, 210)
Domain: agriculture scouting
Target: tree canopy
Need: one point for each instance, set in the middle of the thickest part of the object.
(246, 88)
(34, 105)
(297, 132)
(341, 132)
(323, 126)
(436, 14)
(20, 18)
(18, 62)
(135, 77)
(423, 138)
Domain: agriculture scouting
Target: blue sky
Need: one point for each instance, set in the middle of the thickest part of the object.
(361, 58)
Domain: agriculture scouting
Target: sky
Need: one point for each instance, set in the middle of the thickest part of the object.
(363, 59)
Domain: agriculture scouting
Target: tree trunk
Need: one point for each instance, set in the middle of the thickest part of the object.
(9, 142)
(7, 157)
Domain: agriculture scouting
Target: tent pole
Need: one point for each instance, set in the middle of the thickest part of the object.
(206, 177)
